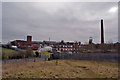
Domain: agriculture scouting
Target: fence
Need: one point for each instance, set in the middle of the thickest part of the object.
(89, 56)
(76, 56)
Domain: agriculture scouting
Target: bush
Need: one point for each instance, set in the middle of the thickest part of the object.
(11, 54)
(29, 53)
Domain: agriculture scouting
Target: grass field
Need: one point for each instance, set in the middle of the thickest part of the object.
(13, 54)
(60, 69)
(6, 53)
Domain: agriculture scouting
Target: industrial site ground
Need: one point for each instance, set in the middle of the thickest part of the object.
(60, 69)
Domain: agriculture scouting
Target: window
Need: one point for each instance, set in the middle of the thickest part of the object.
(60, 49)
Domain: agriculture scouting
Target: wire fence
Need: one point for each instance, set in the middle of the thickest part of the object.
(89, 56)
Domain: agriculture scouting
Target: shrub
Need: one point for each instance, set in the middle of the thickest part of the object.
(29, 53)
(11, 54)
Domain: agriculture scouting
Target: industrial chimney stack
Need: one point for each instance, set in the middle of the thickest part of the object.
(102, 32)
(29, 39)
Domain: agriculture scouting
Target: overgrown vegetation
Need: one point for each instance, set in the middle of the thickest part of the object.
(28, 53)
(12, 54)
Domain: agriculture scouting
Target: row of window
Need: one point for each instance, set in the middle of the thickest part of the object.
(66, 49)
(64, 46)
(63, 49)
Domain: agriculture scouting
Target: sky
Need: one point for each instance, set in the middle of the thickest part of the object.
(69, 21)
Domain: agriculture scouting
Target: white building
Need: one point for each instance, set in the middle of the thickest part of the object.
(46, 48)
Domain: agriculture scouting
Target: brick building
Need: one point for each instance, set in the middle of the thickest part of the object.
(22, 43)
(66, 47)
(63, 47)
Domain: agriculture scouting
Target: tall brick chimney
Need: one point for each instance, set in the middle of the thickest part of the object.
(29, 39)
(102, 32)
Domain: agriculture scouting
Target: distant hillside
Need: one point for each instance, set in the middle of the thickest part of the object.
(7, 53)
(13, 54)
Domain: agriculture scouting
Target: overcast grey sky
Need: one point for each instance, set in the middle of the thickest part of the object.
(69, 21)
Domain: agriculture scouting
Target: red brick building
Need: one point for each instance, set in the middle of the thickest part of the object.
(68, 47)
(64, 47)
(22, 43)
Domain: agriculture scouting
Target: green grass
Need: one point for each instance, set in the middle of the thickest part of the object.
(13, 54)
(6, 53)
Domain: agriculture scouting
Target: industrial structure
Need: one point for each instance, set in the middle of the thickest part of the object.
(90, 40)
(64, 47)
(102, 32)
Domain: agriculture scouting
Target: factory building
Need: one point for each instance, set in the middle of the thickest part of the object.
(66, 47)
(63, 47)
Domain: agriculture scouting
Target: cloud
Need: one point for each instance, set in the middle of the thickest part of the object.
(58, 20)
